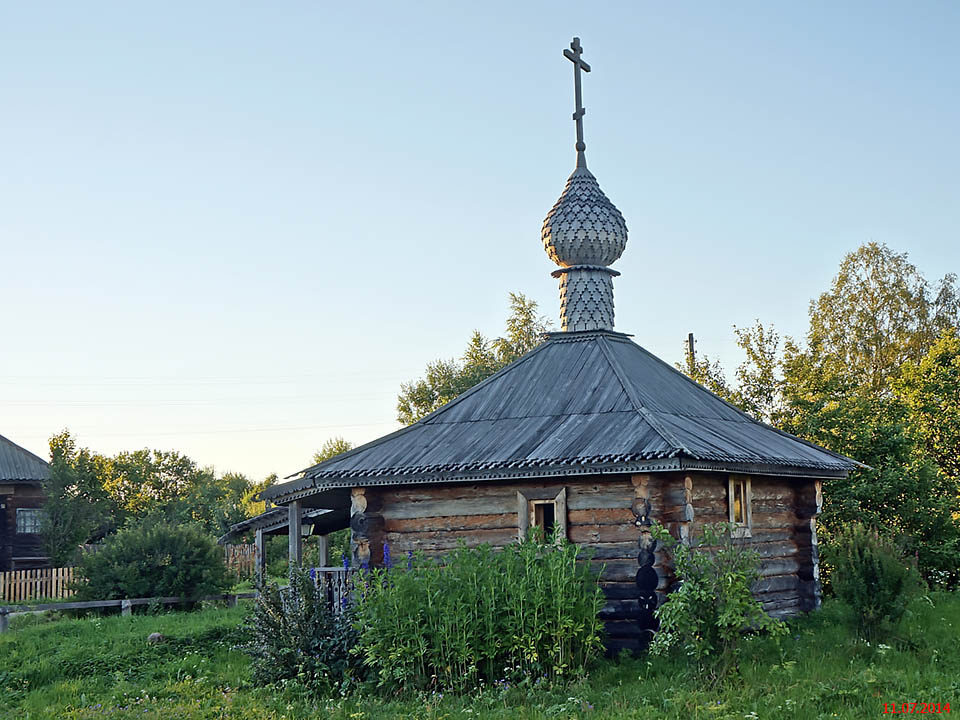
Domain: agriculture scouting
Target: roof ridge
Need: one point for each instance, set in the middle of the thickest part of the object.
(654, 423)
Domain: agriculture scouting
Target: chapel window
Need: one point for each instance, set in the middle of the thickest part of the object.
(740, 500)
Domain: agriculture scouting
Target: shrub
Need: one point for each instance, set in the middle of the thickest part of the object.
(873, 577)
(154, 559)
(714, 607)
(481, 616)
(294, 634)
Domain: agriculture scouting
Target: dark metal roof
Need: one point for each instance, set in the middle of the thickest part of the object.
(580, 403)
(20, 465)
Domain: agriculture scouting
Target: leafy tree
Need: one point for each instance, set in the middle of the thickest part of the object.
(446, 379)
(880, 313)
(250, 501)
(930, 391)
(759, 381)
(867, 384)
(145, 480)
(77, 508)
(333, 446)
(525, 330)
(90, 495)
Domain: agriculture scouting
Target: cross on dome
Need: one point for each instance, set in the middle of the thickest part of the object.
(584, 234)
(574, 55)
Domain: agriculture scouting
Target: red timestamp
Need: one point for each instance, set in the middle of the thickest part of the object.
(916, 707)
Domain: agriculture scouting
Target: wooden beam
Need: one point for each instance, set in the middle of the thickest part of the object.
(323, 551)
(260, 559)
(294, 529)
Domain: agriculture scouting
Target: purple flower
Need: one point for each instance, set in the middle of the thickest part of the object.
(409, 559)
(346, 562)
(313, 574)
(387, 562)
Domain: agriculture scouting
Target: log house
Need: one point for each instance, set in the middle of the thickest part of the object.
(594, 435)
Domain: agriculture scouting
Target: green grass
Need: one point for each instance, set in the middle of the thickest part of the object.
(103, 667)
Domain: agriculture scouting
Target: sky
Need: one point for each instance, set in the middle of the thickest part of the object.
(234, 229)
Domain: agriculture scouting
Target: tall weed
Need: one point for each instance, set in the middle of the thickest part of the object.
(480, 616)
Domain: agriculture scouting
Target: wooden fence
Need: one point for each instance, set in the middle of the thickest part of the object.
(29, 585)
(240, 559)
(126, 606)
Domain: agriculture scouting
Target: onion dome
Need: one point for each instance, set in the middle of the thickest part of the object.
(584, 227)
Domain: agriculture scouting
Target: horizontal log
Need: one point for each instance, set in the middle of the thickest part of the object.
(782, 604)
(764, 491)
(774, 549)
(443, 540)
(626, 571)
(779, 599)
(779, 566)
(612, 551)
(776, 583)
(773, 506)
(452, 522)
(601, 516)
(625, 629)
(599, 497)
(619, 590)
(620, 610)
(591, 534)
(770, 534)
(773, 521)
(451, 507)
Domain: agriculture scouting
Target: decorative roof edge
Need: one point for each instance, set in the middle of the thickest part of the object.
(313, 486)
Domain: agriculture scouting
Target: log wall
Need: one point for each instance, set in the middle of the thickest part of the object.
(611, 515)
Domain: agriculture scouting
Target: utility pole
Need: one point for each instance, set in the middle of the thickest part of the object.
(690, 351)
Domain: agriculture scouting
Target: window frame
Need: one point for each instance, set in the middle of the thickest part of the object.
(527, 500)
(36, 522)
(740, 529)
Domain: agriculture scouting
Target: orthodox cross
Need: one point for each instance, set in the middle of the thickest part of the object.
(573, 55)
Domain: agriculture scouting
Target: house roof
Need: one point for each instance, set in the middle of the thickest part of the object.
(581, 403)
(20, 465)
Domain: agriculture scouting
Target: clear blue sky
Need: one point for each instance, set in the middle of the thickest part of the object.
(233, 229)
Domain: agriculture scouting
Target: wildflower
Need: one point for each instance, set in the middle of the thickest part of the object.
(313, 574)
(387, 562)
(409, 559)
(346, 562)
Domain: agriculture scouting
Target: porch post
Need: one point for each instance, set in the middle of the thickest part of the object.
(323, 551)
(293, 527)
(259, 559)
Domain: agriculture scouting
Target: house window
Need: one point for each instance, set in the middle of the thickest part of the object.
(29, 521)
(739, 499)
(544, 516)
(544, 508)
